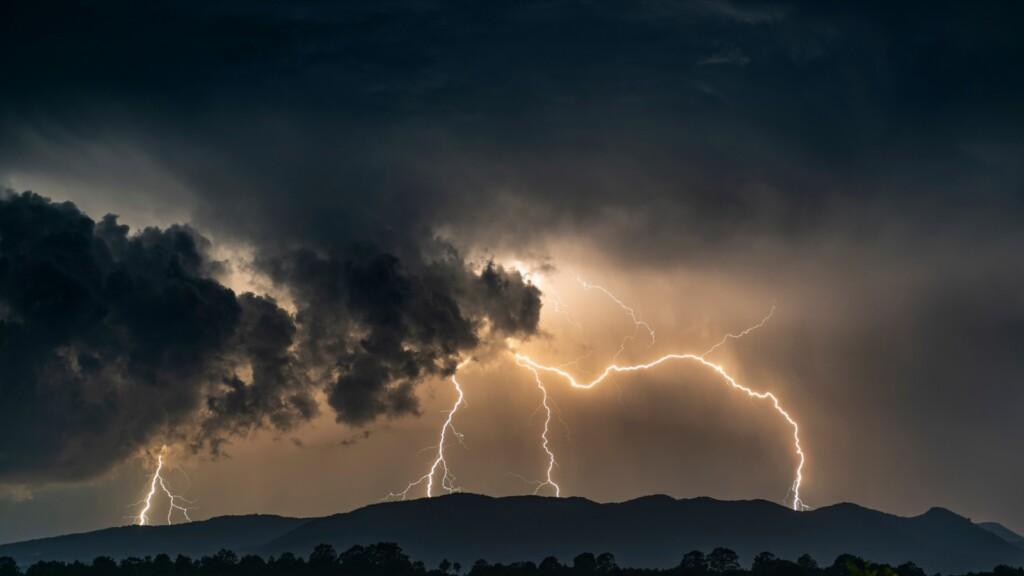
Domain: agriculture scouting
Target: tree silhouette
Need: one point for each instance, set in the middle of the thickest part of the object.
(764, 564)
(847, 565)
(909, 569)
(252, 564)
(606, 563)
(323, 559)
(104, 566)
(8, 567)
(585, 563)
(388, 559)
(481, 566)
(694, 563)
(550, 566)
(807, 563)
(723, 560)
(287, 564)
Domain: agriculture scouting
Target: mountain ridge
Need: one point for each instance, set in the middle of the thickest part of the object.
(649, 531)
(1004, 533)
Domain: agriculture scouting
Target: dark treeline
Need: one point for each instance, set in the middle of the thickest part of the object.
(388, 559)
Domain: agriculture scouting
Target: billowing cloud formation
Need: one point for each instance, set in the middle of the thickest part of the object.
(396, 325)
(112, 341)
(106, 337)
(278, 393)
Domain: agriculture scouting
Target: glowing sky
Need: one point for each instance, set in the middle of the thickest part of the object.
(356, 169)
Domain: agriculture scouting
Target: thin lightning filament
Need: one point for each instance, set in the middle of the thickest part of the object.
(637, 322)
(545, 441)
(741, 334)
(447, 480)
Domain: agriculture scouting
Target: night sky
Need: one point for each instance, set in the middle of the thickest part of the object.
(264, 235)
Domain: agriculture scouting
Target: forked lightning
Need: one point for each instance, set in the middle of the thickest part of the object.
(447, 478)
(173, 499)
(522, 360)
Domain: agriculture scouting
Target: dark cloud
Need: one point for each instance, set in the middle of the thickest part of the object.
(377, 121)
(113, 341)
(278, 393)
(355, 438)
(394, 324)
(108, 338)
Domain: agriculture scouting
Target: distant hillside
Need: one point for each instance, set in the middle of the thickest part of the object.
(653, 531)
(1004, 533)
(192, 539)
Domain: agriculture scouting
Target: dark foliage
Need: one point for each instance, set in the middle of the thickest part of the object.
(388, 559)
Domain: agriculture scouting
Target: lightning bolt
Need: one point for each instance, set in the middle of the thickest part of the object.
(536, 368)
(562, 310)
(637, 322)
(157, 480)
(447, 480)
(440, 463)
(739, 335)
(545, 441)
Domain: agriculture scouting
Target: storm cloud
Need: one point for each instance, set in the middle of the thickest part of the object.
(107, 338)
(382, 327)
(111, 342)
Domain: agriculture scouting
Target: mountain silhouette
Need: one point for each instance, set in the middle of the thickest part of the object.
(1004, 533)
(192, 539)
(653, 531)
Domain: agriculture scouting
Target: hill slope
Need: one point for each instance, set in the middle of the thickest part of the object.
(1004, 533)
(192, 539)
(654, 531)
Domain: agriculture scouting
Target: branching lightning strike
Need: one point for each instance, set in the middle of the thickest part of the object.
(447, 478)
(173, 499)
(526, 361)
(613, 368)
(545, 440)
